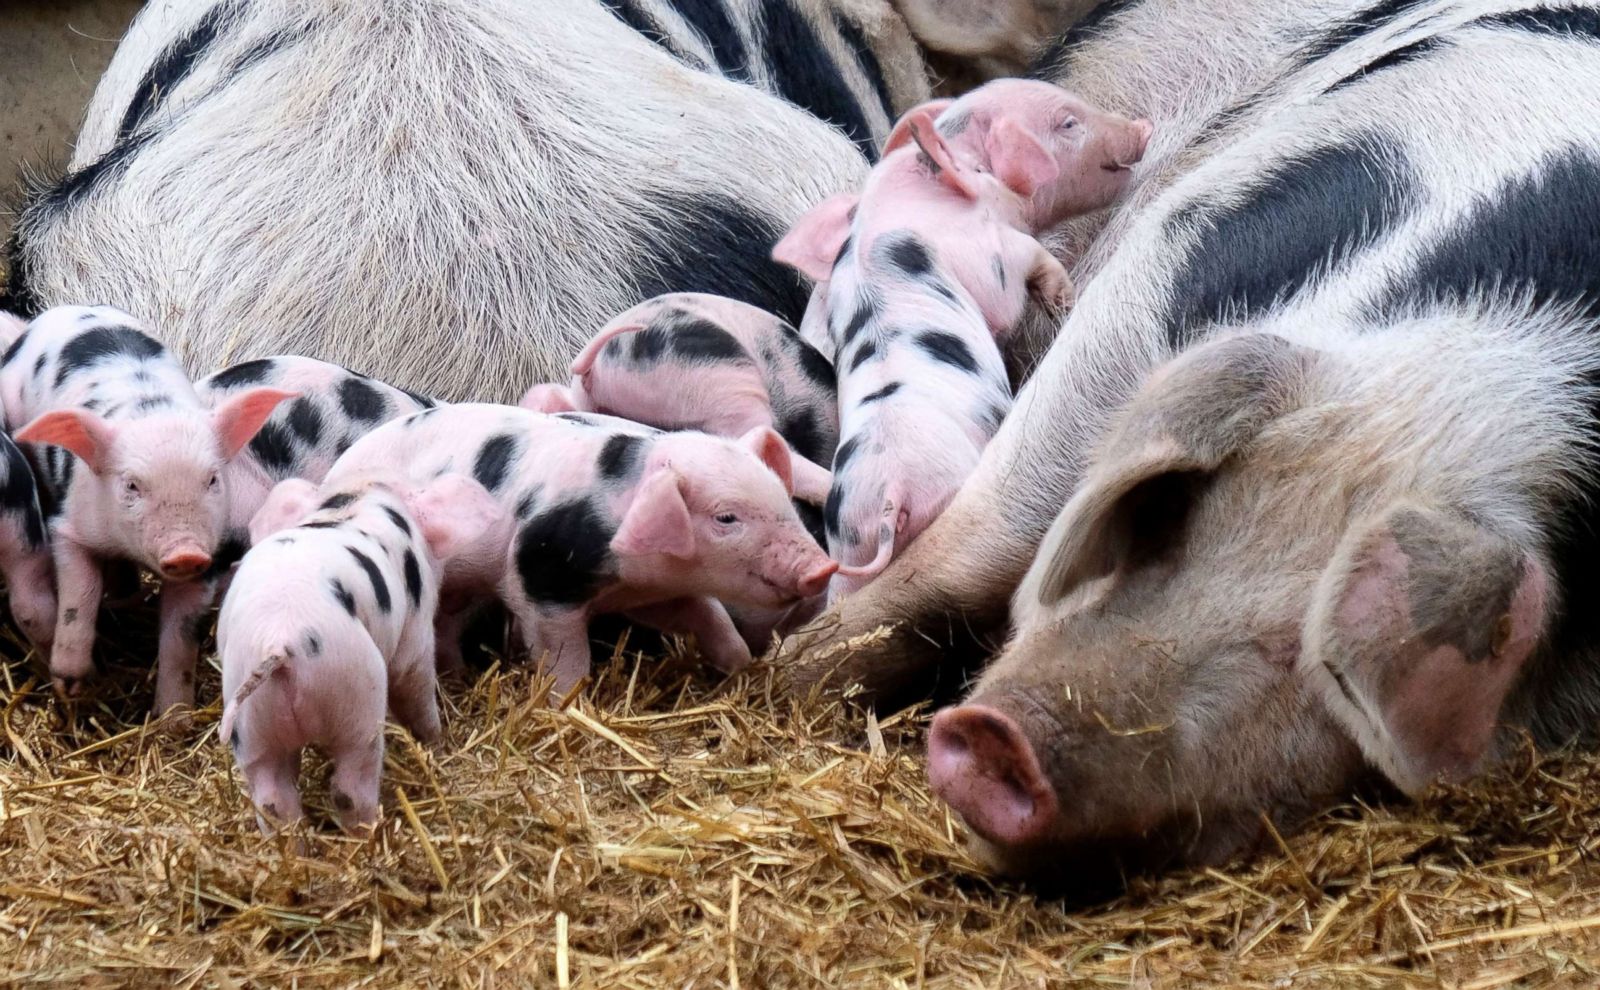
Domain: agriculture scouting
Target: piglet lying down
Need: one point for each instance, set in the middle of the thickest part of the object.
(600, 515)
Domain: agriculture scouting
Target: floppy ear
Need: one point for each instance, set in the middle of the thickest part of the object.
(548, 399)
(287, 506)
(242, 417)
(453, 511)
(945, 166)
(1017, 158)
(1420, 625)
(813, 244)
(85, 434)
(766, 444)
(658, 520)
(901, 135)
(1185, 422)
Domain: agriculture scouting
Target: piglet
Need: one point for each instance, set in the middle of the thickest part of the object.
(608, 516)
(328, 624)
(133, 467)
(692, 361)
(24, 544)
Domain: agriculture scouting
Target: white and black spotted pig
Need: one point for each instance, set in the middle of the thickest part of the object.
(606, 516)
(691, 361)
(24, 542)
(328, 625)
(134, 466)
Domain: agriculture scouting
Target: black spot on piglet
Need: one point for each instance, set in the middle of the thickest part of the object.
(248, 373)
(494, 459)
(620, 456)
(339, 500)
(305, 421)
(273, 447)
(380, 587)
(882, 393)
(563, 553)
(948, 348)
(413, 578)
(360, 400)
(342, 595)
(93, 346)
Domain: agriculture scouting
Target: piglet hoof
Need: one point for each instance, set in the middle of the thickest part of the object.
(175, 722)
(69, 687)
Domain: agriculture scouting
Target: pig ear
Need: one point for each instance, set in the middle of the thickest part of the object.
(658, 520)
(1190, 417)
(766, 444)
(1017, 158)
(813, 244)
(287, 506)
(548, 399)
(901, 135)
(453, 511)
(78, 430)
(242, 416)
(1419, 627)
(949, 171)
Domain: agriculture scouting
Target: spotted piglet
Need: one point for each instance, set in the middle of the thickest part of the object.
(328, 624)
(24, 544)
(609, 516)
(133, 466)
(692, 361)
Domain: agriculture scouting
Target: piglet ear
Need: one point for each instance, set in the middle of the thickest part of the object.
(1420, 625)
(242, 417)
(765, 443)
(813, 244)
(658, 520)
(548, 399)
(287, 506)
(453, 511)
(945, 166)
(1017, 158)
(78, 430)
(901, 135)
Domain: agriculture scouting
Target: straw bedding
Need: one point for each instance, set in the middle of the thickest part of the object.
(664, 830)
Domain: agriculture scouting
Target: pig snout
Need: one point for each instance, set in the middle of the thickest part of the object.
(981, 763)
(184, 562)
(1135, 144)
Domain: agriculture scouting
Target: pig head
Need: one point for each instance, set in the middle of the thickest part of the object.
(1258, 596)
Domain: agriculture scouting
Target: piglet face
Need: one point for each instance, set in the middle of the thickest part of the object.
(1095, 152)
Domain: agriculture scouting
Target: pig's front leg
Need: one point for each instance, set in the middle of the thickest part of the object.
(413, 684)
(1048, 281)
(79, 581)
(183, 605)
(557, 640)
(707, 621)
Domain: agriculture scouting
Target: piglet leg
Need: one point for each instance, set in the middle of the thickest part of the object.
(183, 604)
(273, 782)
(413, 686)
(354, 785)
(72, 657)
(1048, 280)
(707, 621)
(811, 480)
(558, 640)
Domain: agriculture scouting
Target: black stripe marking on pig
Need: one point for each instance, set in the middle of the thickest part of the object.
(882, 393)
(361, 401)
(619, 457)
(271, 44)
(273, 447)
(801, 429)
(342, 595)
(866, 352)
(77, 185)
(866, 59)
(833, 506)
(632, 14)
(906, 252)
(494, 460)
(699, 341)
(648, 345)
(230, 552)
(713, 243)
(247, 373)
(1577, 23)
(93, 346)
(313, 645)
(846, 451)
(151, 403)
(17, 295)
(171, 68)
(338, 500)
(1400, 56)
(816, 368)
(400, 522)
(19, 492)
(380, 587)
(721, 35)
(866, 312)
(1358, 25)
(305, 421)
(807, 76)
(563, 553)
(15, 349)
(1092, 25)
(413, 578)
(1307, 216)
(948, 348)
(426, 402)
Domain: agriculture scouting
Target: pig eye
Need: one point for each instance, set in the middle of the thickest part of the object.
(727, 518)
(131, 487)
(214, 483)
(1069, 123)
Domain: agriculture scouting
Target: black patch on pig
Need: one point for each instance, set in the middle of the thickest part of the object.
(525, 504)
(948, 348)
(711, 19)
(323, 524)
(648, 345)
(866, 312)
(1096, 23)
(229, 552)
(273, 43)
(866, 352)
(248, 373)
(1000, 270)
(413, 578)
(38, 365)
(633, 14)
(806, 75)
(721, 246)
(1358, 25)
(817, 369)
(172, 67)
(341, 800)
(619, 458)
(380, 587)
(313, 645)
(906, 252)
(811, 518)
(93, 346)
(19, 492)
(1569, 22)
(698, 341)
(866, 60)
(338, 500)
(400, 521)
(151, 403)
(342, 595)
(305, 421)
(1400, 56)
(803, 432)
(362, 401)
(194, 628)
(846, 450)
(882, 393)
(15, 349)
(494, 460)
(1305, 217)
(273, 447)
(832, 507)
(563, 553)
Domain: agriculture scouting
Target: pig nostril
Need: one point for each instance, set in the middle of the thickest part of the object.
(982, 764)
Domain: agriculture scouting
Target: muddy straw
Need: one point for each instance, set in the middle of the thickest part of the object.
(667, 832)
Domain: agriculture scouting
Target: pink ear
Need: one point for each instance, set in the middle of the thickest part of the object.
(78, 430)
(1017, 158)
(949, 171)
(766, 444)
(287, 505)
(453, 512)
(242, 417)
(657, 521)
(813, 244)
(548, 399)
(902, 131)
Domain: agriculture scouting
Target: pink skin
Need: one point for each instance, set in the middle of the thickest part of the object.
(727, 398)
(148, 488)
(1094, 151)
(298, 669)
(25, 549)
(694, 520)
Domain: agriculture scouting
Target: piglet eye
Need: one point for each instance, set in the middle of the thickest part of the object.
(131, 487)
(214, 483)
(1069, 123)
(727, 519)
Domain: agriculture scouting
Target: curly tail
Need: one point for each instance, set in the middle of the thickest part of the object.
(888, 528)
(274, 662)
(591, 351)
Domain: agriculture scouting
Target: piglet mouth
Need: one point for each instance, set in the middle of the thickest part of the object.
(1115, 167)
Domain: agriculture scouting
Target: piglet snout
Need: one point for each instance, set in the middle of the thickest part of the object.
(816, 582)
(982, 765)
(185, 563)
